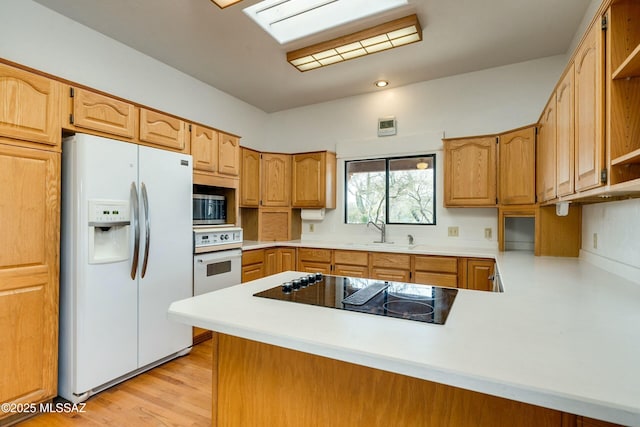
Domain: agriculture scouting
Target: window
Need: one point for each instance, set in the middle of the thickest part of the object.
(397, 190)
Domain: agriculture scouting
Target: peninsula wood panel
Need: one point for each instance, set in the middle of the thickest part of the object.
(204, 148)
(546, 152)
(470, 172)
(29, 107)
(275, 179)
(589, 109)
(29, 260)
(255, 387)
(228, 154)
(565, 142)
(517, 167)
(162, 130)
(250, 179)
(101, 113)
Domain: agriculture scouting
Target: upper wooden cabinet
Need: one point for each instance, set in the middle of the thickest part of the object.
(162, 130)
(516, 171)
(546, 152)
(101, 113)
(565, 134)
(29, 265)
(275, 170)
(623, 92)
(228, 154)
(470, 172)
(250, 179)
(589, 109)
(204, 148)
(314, 180)
(29, 107)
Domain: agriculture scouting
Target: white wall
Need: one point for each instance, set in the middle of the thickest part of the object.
(483, 102)
(617, 225)
(35, 36)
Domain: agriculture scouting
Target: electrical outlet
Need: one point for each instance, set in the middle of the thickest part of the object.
(453, 231)
(312, 228)
(487, 233)
(595, 240)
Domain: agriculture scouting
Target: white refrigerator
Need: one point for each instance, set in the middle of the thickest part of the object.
(126, 254)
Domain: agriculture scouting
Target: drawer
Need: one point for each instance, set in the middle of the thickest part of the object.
(311, 254)
(390, 260)
(351, 257)
(436, 263)
(351, 270)
(390, 274)
(253, 257)
(436, 279)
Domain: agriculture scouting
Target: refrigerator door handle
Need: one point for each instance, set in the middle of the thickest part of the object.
(145, 204)
(136, 230)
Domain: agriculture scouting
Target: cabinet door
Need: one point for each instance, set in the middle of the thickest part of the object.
(565, 135)
(275, 224)
(517, 167)
(308, 187)
(250, 179)
(29, 106)
(479, 274)
(204, 148)
(276, 179)
(102, 113)
(390, 274)
(589, 129)
(287, 259)
(546, 152)
(229, 154)
(271, 262)
(162, 130)
(29, 259)
(470, 172)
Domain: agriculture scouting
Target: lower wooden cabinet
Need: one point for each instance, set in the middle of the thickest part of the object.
(390, 266)
(252, 265)
(29, 274)
(351, 263)
(436, 270)
(277, 260)
(315, 260)
(480, 274)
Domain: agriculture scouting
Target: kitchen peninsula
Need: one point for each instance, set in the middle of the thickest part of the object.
(557, 338)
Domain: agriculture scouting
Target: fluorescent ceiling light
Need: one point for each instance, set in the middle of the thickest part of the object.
(225, 3)
(375, 39)
(287, 20)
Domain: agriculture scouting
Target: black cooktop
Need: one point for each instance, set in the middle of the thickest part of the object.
(423, 303)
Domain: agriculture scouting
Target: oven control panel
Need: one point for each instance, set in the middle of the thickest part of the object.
(212, 239)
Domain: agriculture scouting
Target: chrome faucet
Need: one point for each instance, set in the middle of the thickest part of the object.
(382, 228)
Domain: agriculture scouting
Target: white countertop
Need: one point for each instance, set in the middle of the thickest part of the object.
(564, 334)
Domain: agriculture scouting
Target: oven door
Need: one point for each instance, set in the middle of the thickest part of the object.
(216, 270)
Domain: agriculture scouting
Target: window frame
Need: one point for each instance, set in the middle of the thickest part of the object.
(387, 170)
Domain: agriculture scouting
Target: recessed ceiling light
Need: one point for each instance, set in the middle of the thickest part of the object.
(225, 3)
(288, 20)
(385, 36)
(381, 83)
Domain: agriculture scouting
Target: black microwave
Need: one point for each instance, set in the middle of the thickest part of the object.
(209, 209)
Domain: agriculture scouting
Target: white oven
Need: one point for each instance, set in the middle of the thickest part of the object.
(217, 259)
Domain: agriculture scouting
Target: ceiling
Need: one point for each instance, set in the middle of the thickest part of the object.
(225, 49)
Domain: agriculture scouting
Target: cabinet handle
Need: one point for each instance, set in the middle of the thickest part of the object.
(491, 278)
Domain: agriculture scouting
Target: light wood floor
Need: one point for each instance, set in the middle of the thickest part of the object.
(177, 393)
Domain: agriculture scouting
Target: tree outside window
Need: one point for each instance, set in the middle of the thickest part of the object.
(398, 190)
